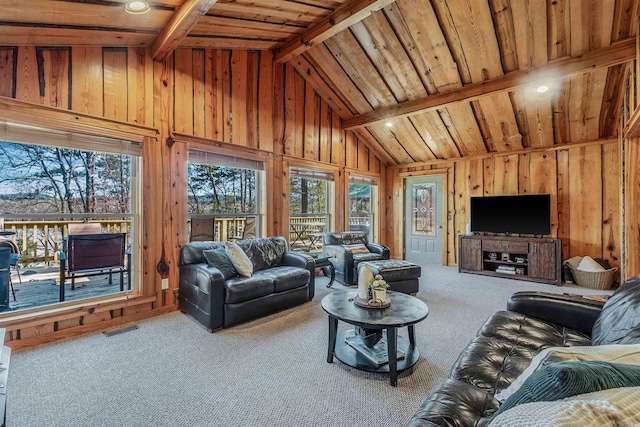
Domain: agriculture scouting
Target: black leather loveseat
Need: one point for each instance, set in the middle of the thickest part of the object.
(280, 280)
(509, 340)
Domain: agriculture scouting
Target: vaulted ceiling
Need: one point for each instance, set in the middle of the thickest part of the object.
(424, 80)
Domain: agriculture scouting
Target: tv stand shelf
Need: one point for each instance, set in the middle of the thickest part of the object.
(534, 259)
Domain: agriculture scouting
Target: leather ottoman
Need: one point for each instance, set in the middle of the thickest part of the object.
(401, 275)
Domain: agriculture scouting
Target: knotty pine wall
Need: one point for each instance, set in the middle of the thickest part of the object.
(237, 97)
(584, 183)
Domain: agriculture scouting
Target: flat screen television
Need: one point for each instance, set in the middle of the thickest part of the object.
(525, 214)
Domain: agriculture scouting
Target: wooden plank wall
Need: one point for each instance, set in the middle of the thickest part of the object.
(238, 97)
(584, 183)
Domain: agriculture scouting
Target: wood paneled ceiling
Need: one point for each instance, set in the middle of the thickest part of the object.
(451, 78)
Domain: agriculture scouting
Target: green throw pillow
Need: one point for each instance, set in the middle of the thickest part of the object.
(218, 258)
(563, 379)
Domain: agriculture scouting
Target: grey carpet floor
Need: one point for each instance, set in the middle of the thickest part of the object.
(269, 372)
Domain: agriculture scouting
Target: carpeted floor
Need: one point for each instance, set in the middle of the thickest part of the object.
(269, 372)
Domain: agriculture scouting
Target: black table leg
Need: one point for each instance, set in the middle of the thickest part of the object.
(392, 353)
(412, 335)
(333, 332)
(332, 271)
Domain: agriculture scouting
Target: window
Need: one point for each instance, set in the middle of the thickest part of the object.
(50, 180)
(363, 199)
(224, 191)
(309, 208)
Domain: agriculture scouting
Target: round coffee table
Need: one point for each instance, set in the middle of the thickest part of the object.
(405, 310)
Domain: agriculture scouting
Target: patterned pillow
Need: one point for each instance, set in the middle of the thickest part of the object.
(617, 353)
(612, 408)
(357, 249)
(218, 258)
(239, 259)
(564, 379)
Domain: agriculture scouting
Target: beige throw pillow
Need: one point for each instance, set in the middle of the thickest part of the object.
(239, 259)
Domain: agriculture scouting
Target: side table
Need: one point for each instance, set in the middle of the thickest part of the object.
(324, 263)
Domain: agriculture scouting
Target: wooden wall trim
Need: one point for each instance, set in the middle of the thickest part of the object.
(224, 148)
(632, 128)
(71, 311)
(64, 120)
(556, 147)
(311, 164)
(92, 327)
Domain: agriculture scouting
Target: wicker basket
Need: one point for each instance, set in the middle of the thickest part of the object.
(593, 279)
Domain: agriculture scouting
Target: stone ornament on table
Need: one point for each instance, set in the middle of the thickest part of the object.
(365, 277)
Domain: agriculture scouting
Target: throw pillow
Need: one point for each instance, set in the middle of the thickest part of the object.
(589, 264)
(611, 408)
(218, 258)
(239, 259)
(564, 379)
(617, 353)
(357, 249)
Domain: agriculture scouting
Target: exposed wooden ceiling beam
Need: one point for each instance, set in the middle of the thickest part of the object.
(617, 53)
(178, 27)
(339, 20)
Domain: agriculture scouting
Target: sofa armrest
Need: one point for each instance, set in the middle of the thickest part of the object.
(565, 310)
(377, 248)
(203, 286)
(337, 251)
(296, 259)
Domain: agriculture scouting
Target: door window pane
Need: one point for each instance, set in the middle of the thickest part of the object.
(423, 209)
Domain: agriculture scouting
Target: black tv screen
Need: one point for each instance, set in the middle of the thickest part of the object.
(526, 214)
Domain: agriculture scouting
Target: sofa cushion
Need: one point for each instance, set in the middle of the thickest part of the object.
(286, 277)
(219, 259)
(239, 259)
(617, 353)
(345, 238)
(455, 403)
(358, 258)
(247, 288)
(193, 253)
(564, 379)
(619, 321)
(613, 407)
(265, 252)
(530, 332)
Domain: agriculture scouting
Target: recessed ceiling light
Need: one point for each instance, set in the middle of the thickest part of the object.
(137, 7)
(542, 88)
(388, 124)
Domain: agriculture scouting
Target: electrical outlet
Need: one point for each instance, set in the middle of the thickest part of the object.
(165, 283)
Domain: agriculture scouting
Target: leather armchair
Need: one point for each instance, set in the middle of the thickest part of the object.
(336, 247)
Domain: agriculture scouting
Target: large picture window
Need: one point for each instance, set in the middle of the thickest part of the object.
(223, 196)
(52, 183)
(362, 203)
(309, 208)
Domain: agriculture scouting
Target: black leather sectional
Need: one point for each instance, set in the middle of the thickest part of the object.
(281, 279)
(506, 343)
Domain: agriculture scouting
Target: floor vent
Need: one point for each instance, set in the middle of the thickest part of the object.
(116, 331)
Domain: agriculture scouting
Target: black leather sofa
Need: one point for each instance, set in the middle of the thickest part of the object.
(281, 279)
(345, 261)
(506, 343)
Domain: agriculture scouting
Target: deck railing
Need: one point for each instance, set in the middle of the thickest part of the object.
(41, 241)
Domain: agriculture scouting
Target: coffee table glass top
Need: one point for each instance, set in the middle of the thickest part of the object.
(404, 310)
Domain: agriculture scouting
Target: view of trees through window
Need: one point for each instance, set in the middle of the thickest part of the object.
(217, 189)
(307, 196)
(37, 179)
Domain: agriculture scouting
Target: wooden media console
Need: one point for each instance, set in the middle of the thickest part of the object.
(523, 258)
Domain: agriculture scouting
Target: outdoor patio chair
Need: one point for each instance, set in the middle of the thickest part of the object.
(203, 228)
(5, 278)
(13, 261)
(85, 228)
(92, 255)
(248, 231)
